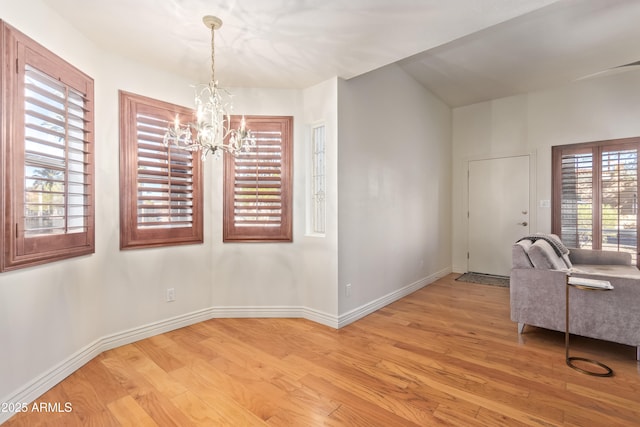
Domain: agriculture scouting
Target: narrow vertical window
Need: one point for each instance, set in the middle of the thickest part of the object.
(258, 184)
(161, 189)
(48, 155)
(318, 180)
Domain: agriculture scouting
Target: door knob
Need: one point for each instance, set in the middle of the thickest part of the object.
(524, 212)
(524, 223)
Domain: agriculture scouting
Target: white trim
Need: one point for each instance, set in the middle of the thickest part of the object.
(370, 307)
(276, 312)
(459, 269)
(40, 385)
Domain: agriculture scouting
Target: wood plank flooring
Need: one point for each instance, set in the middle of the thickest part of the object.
(445, 355)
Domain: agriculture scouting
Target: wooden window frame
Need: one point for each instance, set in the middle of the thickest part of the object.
(19, 52)
(283, 232)
(133, 236)
(596, 149)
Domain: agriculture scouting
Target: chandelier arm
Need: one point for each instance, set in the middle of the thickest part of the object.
(212, 127)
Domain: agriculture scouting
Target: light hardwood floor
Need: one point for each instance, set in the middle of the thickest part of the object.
(445, 355)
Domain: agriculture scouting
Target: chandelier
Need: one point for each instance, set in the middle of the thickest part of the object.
(212, 127)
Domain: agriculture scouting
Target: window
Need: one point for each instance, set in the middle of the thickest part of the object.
(318, 180)
(47, 155)
(595, 195)
(258, 184)
(160, 187)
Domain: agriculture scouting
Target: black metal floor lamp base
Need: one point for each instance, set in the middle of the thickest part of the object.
(608, 372)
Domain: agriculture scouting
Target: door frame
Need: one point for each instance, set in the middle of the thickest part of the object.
(534, 206)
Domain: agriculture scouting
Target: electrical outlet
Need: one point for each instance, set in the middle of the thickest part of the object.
(347, 289)
(171, 294)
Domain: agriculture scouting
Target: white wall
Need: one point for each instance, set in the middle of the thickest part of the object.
(394, 171)
(57, 316)
(320, 256)
(51, 312)
(589, 110)
(281, 278)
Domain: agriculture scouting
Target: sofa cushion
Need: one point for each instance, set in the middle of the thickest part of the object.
(596, 256)
(543, 256)
(628, 271)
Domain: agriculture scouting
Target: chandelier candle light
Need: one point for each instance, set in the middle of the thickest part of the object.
(212, 125)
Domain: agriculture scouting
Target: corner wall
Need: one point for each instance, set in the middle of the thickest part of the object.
(394, 183)
(296, 279)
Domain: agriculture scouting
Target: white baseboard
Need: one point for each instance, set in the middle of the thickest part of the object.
(275, 312)
(461, 269)
(40, 385)
(370, 307)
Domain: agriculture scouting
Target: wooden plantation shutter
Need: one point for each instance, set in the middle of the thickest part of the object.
(161, 190)
(576, 198)
(48, 155)
(619, 200)
(258, 184)
(55, 157)
(595, 192)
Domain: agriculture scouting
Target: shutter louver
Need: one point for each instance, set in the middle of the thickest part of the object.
(165, 178)
(257, 184)
(56, 189)
(619, 200)
(577, 200)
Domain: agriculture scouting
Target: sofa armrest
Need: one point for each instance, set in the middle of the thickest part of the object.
(595, 257)
(538, 297)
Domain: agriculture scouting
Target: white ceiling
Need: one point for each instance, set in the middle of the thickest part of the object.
(564, 42)
(464, 51)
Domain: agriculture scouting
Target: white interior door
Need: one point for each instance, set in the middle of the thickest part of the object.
(498, 212)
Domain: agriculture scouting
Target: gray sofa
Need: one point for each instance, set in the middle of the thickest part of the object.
(537, 288)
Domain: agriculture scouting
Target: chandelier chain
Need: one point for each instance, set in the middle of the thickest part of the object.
(213, 55)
